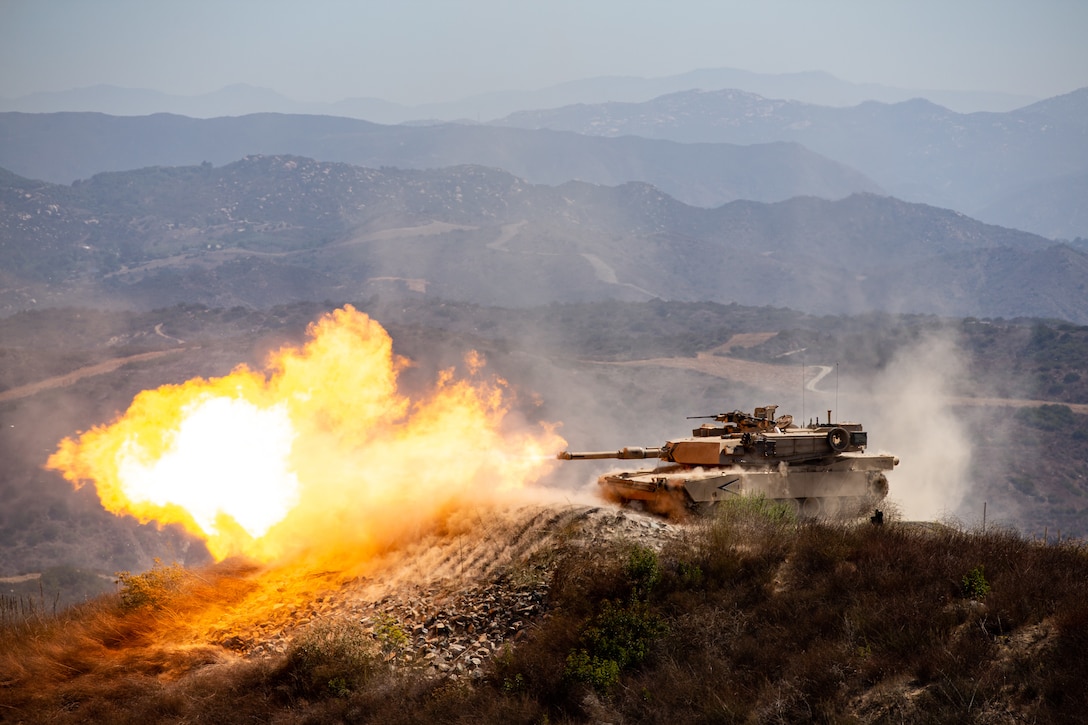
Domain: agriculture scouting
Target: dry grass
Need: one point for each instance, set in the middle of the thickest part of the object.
(763, 620)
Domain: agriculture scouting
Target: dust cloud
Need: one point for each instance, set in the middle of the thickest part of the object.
(909, 411)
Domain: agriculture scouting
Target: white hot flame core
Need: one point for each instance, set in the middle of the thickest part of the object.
(221, 444)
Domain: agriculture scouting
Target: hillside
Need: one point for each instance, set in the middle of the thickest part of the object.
(1052, 208)
(587, 616)
(915, 150)
(66, 147)
(273, 230)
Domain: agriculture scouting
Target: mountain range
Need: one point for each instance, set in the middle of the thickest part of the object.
(1026, 169)
(272, 229)
(65, 147)
(241, 99)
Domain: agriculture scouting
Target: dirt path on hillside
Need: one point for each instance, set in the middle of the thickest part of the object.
(509, 231)
(63, 381)
(781, 379)
(772, 378)
(717, 363)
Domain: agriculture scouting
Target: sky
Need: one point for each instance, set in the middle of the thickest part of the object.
(422, 51)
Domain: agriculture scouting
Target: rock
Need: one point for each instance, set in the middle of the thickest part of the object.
(453, 616)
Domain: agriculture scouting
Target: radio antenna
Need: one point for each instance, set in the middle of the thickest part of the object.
(803, 388)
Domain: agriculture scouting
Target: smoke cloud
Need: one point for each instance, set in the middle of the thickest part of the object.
(912, 414)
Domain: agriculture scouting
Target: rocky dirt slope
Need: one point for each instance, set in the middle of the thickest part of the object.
(449, 601)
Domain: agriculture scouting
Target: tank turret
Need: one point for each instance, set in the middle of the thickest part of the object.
(821, 468)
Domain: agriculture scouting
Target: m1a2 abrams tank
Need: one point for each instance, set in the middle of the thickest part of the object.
(821, 468)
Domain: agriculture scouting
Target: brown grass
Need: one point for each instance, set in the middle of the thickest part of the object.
(766, 620)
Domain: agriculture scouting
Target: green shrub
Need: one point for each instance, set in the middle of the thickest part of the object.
(690, 576)
(618, 638)
(390, 635)
(755, 510)
(600, 673)
(151, 588)
(974, 583)
(643, 571)
(1047, 417)
(332, 657)
(515, 684)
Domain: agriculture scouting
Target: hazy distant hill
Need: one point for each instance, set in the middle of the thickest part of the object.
(915, 150)
(241, 99)
(1017, 169)
(268, 230)
(63, 147)
(1056, 208)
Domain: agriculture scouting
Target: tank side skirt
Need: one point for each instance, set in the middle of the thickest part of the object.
(839, 480)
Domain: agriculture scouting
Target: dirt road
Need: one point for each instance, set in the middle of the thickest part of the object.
(782, 379)
(62, 381)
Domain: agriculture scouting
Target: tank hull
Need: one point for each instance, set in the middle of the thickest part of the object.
(846, 486)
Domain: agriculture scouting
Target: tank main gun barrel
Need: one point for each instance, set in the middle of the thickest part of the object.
(623, 454)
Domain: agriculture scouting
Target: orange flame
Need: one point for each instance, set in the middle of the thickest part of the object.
(321, 453)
